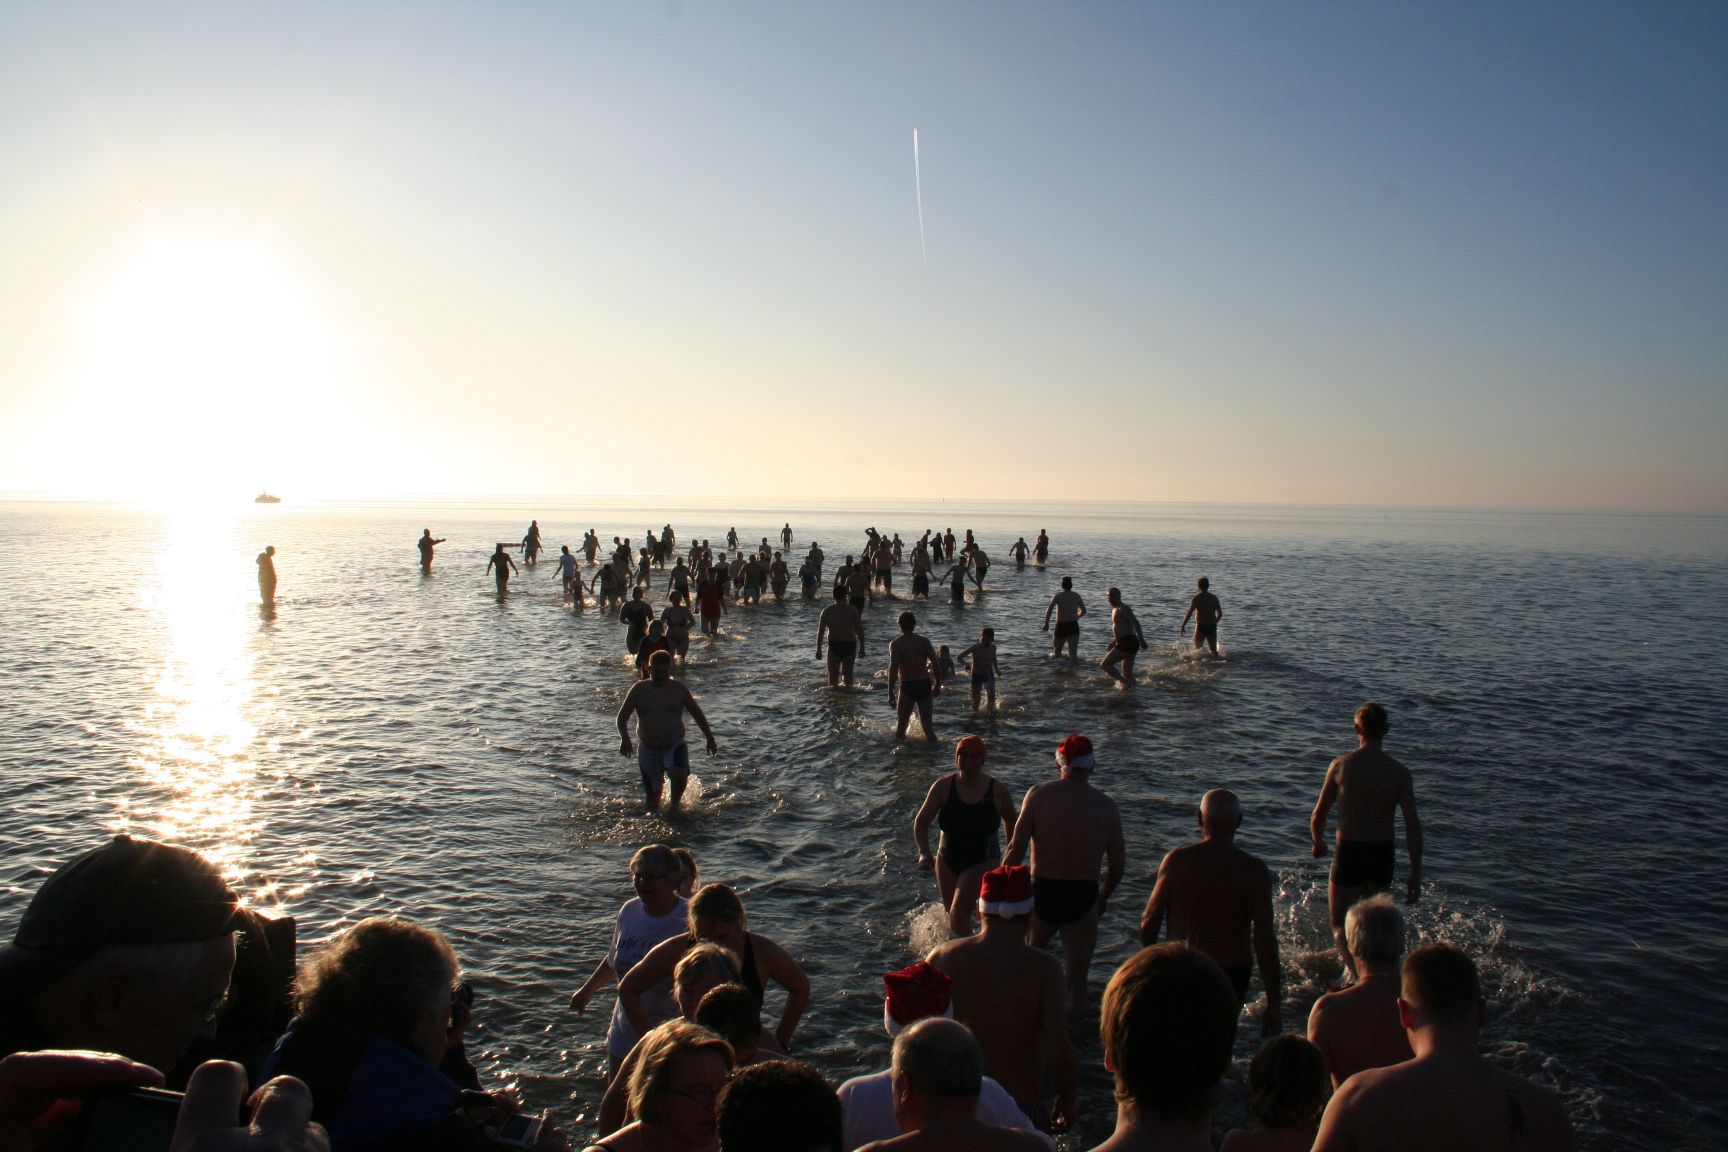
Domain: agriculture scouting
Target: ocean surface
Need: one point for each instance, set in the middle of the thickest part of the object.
(392, 743)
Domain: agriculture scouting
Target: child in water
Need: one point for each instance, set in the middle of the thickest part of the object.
(981, 659)
(947, 662)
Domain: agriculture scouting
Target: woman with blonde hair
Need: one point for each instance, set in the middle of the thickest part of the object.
(674, 1091)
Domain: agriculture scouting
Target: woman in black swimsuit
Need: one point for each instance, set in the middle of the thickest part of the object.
(969, 807)
(717, 916)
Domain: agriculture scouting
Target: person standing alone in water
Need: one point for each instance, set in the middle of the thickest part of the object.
(1205, 610)
(500, 565)
(267, 575)
(426, 544)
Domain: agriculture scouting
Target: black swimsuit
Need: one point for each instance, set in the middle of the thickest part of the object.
(968, 830)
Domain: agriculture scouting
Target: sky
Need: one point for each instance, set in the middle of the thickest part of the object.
(1395, 254)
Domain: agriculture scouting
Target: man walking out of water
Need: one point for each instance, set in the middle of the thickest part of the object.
(1068, 608)
(1125, 640)
(1070, 828)
(914, 676)
(567, 569)
(426, 544)
(500, 566)
(1214, 894)
(844, 628)
(1010, 995)
(1449, 1097)
(1368, 786)
(659, 704)
(1206, 610)
(267, 575)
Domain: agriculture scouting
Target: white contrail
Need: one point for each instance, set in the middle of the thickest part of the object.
(918, 183)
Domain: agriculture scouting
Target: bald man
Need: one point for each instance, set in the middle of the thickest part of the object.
(1216, 896)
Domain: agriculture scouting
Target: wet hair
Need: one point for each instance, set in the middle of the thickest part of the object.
(1112, 593)
(1287, 1083)
(651, 1082)
(1441, 981)
(660, 658)
(687, 862)
(1168, 1021)
(377, 978)
(716, 902)
(940, 1059)
(1374, 930)
(988, 635)
(780, 1106)
(1373, 721)
(1068, 582)
(907, 621)
(703, 962)
(733, 1012)
(656, 858)
(839, 593)
(1204, 583)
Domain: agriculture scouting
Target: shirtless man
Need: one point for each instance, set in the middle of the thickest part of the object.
(1368, 786)
(858, 584)
(659, 704)
(678, 620)
(1125, 640)
(1214, 893)
(1010, 995)
(1358, 1027)
(426, 544)
(1068, 608)
(1070, 828)
(778, 576)
(786, 536)
(914, 676)
(1205, 610)
(500, 565)
(814, 558)
(844, 628)
(1041, 549)
(937, 1075)
(1020, 551)
(1448, 1097)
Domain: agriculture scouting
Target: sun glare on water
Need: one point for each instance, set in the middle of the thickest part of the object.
(200, 356)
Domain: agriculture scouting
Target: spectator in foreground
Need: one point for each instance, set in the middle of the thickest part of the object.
(938, 1070)
(779, 1106)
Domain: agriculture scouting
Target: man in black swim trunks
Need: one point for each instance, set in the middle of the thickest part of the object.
(1068, 608)
(1368, 786)
(1205, 610)
(1070, 828)
(1125, 640)
(844, 628)
(914, 676)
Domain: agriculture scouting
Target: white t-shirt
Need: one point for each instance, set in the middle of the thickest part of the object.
(867, 1110)
(633, 937)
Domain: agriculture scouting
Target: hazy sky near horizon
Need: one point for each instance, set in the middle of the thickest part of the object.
(1459, 254)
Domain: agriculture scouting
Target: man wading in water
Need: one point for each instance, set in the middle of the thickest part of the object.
(659, 704)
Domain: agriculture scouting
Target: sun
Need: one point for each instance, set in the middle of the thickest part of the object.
(198, 356)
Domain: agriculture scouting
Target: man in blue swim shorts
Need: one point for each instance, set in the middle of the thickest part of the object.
(659, 704)
(1070, 827)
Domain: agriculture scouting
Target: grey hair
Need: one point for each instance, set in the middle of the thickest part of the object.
(1374, 929)
(939, 1058)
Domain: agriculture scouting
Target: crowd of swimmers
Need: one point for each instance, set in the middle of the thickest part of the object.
(135, 965)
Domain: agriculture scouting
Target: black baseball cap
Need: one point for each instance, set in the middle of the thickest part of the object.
(128, 892)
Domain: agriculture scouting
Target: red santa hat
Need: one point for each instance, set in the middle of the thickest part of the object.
(1007, 892)
(914, 993)
(1074, 753)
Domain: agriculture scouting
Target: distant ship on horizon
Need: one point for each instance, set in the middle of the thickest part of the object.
(266, 498)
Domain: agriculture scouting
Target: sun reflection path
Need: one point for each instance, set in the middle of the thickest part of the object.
(200, 784)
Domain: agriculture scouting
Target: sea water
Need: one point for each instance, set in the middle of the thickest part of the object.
(387, 742)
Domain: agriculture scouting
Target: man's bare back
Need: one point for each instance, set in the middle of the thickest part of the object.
(1070, 830)
(1370, 785)
(1358, 1028)
(1210, 892)
(1011, 996)
(1443, 1104)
